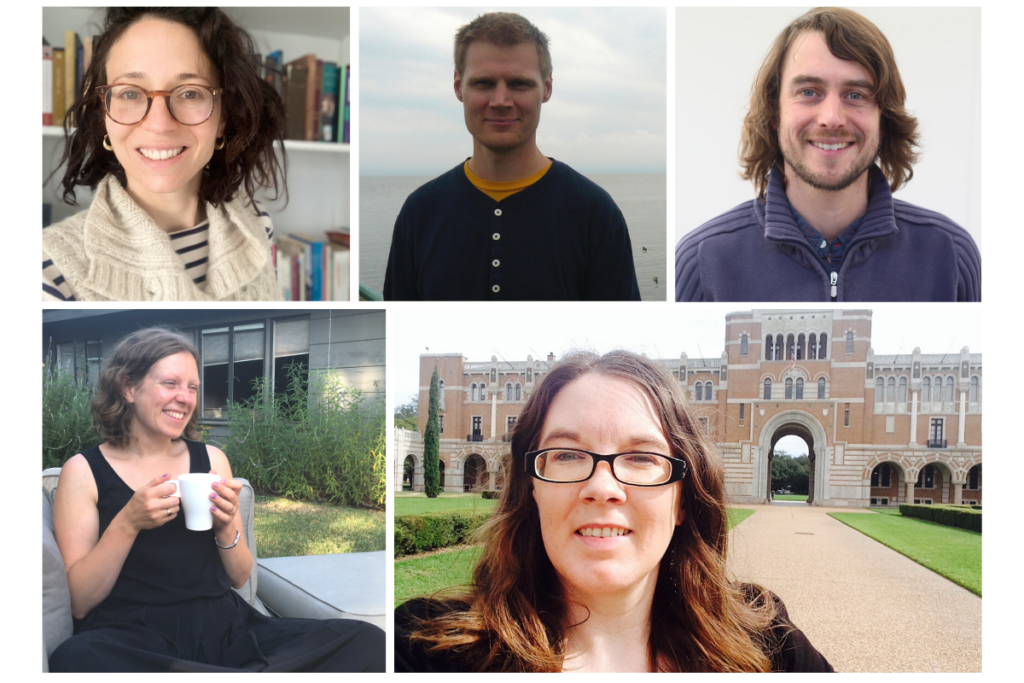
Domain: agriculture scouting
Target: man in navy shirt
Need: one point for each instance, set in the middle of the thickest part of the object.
(509, 223)
(826, 142)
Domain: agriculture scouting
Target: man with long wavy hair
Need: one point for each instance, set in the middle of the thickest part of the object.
(826, 141)
(509, 223)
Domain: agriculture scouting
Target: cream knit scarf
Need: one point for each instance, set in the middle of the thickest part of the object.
(114, 251)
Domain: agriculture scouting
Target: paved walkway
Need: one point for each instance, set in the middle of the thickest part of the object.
(864, 606)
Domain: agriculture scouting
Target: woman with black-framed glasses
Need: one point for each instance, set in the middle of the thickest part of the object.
(174, 131)
(607, 550)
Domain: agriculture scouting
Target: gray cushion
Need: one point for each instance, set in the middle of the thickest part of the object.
(342, 586)
(57, 624)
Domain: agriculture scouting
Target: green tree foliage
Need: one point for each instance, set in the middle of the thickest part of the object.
(67, 418)
(407, 415)
(790, 473)
(432, 442)
(312, 439)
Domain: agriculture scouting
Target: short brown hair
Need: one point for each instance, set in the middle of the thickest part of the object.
(251, 109)
(503, 29)
(851, 37)
(512, 619)
(129, 364)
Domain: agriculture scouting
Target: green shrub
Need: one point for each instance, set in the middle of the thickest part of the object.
(312, 439)
(67, 419)
(947, 515)
(417, 533)
(490, 495)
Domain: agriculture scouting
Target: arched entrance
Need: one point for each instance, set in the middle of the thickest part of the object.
(408, 470)
(807, 427)
(440, 473)
(474, 474)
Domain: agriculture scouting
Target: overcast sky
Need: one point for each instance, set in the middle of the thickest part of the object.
(698, 333)
(606, 113)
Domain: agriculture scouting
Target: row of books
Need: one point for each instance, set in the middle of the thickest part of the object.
(313, 270)
(63, 69)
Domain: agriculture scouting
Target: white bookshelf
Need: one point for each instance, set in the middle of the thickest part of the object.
(318, 172)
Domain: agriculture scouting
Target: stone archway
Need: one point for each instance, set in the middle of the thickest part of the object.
(807, 427)
(474, 477)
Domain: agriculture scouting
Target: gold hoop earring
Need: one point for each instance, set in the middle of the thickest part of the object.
(106, 144)
(220, 143)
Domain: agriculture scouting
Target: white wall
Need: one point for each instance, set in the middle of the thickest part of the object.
(718, 54)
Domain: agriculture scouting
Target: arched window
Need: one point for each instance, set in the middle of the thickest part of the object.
(519, 391)
(879, 390)
(508, 391)
(821, 387)
(767, 389)
(440, 392)
(823, 347)
(812, 346)
(926, 390)
(789, 387)
(743, 345)
(949, 389)
(698, 394)
(707, 391)
(903, 389)
(890, 390)
(483, 392)
(769, 347)
(778, 347)
(849, 342)
(790, 347)
(473, 392)
(801, 348)
(974, 389)
(799, 387)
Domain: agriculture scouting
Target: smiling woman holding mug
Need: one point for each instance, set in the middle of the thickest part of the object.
(607, 551)
(175, 134)
(147, 594)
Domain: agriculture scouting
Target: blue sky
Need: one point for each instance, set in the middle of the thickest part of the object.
(606, 113)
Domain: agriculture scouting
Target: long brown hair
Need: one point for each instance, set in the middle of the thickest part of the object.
(129, 364)
(851, 37)
(513, 618)
(252, 111)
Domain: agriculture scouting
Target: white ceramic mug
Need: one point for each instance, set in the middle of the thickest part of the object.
(194, 489)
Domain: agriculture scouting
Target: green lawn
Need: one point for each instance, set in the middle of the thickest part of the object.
(286, 528)
(791, 496)
(947, 551)
(408, 503)
(429, 574)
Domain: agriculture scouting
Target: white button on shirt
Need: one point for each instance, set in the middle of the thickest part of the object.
(496, 236)
(497, 212)
(495, 263)
(496, 289)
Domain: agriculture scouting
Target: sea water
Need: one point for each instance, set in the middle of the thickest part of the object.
(640, 197)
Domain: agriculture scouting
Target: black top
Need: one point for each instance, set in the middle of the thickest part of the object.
(167, 564)
(794, 654)
(560, 239)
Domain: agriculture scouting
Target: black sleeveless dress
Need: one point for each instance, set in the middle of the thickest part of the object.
(172, 608)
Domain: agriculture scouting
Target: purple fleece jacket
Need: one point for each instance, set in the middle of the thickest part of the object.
(756, 252)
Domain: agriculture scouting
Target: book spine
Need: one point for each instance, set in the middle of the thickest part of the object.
(47, 85)
(58, 86)
(70, 56)
(329, 104)
(348, 111)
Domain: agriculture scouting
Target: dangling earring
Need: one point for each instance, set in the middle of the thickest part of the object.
(220, 143)
(106, 144)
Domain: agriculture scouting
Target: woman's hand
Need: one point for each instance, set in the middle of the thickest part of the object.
(225, 507)
(151, 506)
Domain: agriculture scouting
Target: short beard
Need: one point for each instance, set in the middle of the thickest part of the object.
(850, 178)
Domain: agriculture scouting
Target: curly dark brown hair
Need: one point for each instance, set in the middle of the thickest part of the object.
(514, 616)
(851, 37)
(128, 365)
(251, 109)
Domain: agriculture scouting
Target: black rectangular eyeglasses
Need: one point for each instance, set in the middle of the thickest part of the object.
(571, 465)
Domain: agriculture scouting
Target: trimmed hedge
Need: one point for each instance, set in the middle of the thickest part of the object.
(417, 533)
(963, 517)
(490, 495)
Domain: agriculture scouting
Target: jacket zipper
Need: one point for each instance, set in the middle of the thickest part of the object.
(834, 279)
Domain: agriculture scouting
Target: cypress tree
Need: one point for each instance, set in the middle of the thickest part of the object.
(432, 443)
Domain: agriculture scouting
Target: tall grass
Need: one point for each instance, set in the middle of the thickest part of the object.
(67, 419)
(310, 440)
